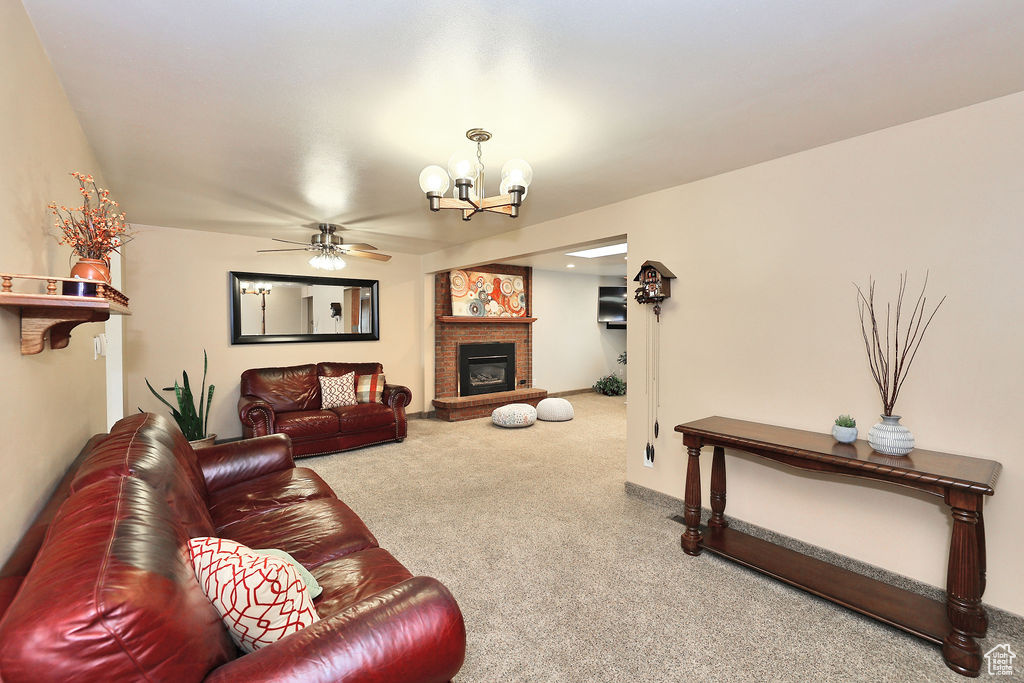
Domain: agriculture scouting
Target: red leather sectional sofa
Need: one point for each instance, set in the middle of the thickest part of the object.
(101, 587)
(287, 401)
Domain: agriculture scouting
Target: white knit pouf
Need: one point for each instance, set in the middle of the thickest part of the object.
(514, 415)
(554, 410)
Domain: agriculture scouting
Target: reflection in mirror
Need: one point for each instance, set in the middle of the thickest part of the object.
(294, 308)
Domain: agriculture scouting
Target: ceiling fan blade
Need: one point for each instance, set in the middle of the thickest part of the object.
(263, 251)
(367, 254)
(290, 241)
(360, 247)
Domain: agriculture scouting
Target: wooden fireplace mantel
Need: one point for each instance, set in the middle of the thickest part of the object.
(483, 319)
(961, 481)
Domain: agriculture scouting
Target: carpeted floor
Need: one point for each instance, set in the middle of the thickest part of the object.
(562, 576)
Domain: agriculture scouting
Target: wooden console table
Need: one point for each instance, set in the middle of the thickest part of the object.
(961, 482)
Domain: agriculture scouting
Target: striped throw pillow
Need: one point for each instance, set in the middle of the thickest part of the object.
(370, 388)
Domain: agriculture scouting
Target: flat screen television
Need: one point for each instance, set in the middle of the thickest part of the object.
(611, 304)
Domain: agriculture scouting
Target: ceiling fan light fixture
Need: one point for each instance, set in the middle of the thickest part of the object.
(467, 174)
(328, 248)
(327, 261)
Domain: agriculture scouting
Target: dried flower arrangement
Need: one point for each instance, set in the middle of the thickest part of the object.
(97, 227)
(890, 361)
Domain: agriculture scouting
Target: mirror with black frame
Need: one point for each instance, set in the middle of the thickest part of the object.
(299, 308)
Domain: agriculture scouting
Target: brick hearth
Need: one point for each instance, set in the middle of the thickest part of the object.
(448, 336)
(468, 407)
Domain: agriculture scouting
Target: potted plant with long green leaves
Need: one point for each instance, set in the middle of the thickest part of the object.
(192, 421)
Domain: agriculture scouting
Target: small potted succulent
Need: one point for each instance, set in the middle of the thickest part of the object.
(845, 429)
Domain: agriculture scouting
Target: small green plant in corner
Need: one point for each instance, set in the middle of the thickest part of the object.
(193, 422)
(846, 421)
(610, 386)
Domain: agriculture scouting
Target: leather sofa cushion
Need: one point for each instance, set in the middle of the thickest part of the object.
(270, 491)
(313, 531)
(359, 418)
(352, 578)
(338, 369)
(111, 596)
(307, 423)
(9, 586)
(285, 389)
(152, 448)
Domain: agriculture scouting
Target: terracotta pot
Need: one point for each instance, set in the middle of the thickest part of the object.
(91, 269)
(204, 442)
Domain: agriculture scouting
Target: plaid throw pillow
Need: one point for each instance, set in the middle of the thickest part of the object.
(370, 388)
(336, 392)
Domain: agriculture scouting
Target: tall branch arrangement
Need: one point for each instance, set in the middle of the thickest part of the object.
(96, 228)
(891, 349)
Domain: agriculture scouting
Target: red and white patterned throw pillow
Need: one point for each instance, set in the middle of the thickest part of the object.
(336, 392)
(261, 599)
(370, 388)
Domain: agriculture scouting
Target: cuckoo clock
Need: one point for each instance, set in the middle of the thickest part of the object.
(655, 285)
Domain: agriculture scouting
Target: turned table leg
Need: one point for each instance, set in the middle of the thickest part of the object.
(981, 555)
(691, 508)
(717, 520)
(964, 584)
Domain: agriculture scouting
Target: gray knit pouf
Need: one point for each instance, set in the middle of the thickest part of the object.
(554, 410)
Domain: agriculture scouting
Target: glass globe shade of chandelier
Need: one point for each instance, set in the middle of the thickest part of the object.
(466, 172)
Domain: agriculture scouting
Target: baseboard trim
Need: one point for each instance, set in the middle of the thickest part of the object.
(571, 392)
(999, 619)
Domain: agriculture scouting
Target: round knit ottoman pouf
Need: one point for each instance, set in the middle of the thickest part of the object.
(514, 415)
(554, 410)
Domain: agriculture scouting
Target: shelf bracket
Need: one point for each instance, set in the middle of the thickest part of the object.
(37, 322)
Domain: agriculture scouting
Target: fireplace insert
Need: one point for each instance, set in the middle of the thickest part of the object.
(486, 368)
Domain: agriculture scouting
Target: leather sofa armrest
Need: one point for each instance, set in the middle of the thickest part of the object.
(231, 463)
(410, 633)
(395, 395)
(257, 415)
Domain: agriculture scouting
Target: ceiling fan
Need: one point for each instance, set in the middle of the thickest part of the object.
(328, 248)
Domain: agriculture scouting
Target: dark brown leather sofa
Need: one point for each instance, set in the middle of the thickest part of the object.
(101, 587)
(287, 401)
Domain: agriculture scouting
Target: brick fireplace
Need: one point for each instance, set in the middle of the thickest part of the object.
(449, 402)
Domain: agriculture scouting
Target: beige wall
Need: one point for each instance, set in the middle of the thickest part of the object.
(763, 324)
(178, 281)
(55, 400)
(571, 350)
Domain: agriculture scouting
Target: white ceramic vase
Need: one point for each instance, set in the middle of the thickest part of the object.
(844, 434)
(889, 437)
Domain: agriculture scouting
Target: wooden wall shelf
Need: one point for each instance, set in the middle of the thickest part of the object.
(57, 314)
(473, 319)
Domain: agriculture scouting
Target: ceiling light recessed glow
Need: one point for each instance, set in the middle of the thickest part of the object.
(570, 265)
(598, 252)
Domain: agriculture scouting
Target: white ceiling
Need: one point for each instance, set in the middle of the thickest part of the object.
(261, 117)
(613, 265)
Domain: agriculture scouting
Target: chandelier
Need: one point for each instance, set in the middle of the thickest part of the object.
(468, 175)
